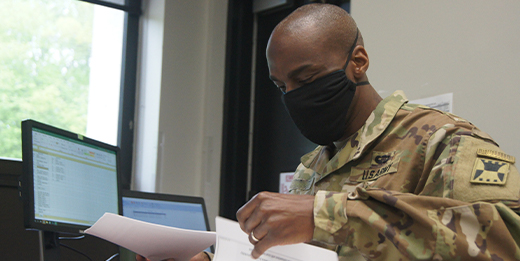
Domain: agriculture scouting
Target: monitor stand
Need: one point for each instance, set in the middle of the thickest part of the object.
(49, 246)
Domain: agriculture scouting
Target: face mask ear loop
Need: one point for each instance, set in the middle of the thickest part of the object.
(351, 49)
(350, 55)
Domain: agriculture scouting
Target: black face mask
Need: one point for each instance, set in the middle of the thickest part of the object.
(319, 109)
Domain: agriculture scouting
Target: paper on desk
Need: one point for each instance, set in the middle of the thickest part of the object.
(233, 245)
(156, 242)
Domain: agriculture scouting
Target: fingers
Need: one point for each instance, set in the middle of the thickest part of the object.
(250, 215)
(253, 238)
(262, 246)
(200, 257)
(264, 241)
(272, 219)
(259, 232)
(140, 258)
(244, 213)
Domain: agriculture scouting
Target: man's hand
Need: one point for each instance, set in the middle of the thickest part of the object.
(199, 257)
(277, 219)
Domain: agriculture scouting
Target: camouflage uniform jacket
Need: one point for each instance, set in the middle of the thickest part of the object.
(414, 183)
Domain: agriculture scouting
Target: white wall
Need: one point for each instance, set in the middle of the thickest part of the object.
(188, 75)
(468, 47)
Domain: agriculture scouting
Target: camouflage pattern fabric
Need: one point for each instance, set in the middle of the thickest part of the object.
(414, 183)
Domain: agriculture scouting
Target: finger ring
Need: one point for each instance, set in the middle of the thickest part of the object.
(253, 237)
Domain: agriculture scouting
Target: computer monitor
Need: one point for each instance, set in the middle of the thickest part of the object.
(68, 181)
(164, 209)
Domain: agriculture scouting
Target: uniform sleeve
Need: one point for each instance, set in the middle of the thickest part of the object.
(454, 217)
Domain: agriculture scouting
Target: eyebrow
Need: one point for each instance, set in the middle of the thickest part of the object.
(293, 73)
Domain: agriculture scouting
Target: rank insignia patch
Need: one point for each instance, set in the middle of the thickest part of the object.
(488, 171)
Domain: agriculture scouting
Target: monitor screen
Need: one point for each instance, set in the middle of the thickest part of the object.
(69, 181)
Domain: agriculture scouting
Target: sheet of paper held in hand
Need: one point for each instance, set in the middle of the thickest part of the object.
(233, 245)
(156, 242)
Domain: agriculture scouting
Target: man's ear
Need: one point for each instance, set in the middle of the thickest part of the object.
(360, 62)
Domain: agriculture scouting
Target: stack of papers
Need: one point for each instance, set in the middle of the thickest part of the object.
(158, 242)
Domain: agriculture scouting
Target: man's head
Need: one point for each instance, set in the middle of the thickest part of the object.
(311, 42)
(316, 57)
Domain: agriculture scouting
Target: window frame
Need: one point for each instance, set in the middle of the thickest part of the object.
(125, 132)
(130, 6)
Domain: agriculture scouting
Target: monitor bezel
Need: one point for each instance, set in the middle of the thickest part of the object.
(27, 178)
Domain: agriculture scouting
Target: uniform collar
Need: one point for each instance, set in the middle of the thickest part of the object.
(320, 159)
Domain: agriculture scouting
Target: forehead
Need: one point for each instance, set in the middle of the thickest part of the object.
(285, 53)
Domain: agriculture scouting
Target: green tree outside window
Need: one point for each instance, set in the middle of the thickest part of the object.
(45, 48)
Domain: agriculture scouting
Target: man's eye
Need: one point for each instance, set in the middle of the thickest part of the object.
(306, 80)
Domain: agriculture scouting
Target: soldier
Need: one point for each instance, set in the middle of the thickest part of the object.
(390, 180)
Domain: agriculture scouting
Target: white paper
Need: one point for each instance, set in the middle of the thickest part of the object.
(233, 245)
(156, 242)
(285, 182)
(443, 102)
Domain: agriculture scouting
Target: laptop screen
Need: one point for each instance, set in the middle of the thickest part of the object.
(164, 209)
(163, 212)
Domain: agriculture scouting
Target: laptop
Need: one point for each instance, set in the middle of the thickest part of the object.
(164, 209)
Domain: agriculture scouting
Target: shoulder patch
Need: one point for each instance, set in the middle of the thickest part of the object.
(481, 172)
(487, 171)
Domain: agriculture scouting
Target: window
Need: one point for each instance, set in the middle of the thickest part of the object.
(70, 64)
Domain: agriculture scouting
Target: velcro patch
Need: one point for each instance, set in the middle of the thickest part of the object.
(487, 171)
(381, 158)
(380, 164)
(373, 174)
(496, 155)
